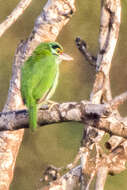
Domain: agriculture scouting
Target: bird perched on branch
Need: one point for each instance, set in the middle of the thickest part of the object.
(39, 77)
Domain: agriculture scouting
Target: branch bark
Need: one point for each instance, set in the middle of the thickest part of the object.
(68, 181)
(71, 111)
(99, 116)
(109, 30)
(54, 16)
(18, 11)
(101, 177)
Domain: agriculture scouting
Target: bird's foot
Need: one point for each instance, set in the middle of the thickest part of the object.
(48, 105)
(51, 104)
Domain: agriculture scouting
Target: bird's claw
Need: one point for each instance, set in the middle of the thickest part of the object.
(48, 105)
(51, 104)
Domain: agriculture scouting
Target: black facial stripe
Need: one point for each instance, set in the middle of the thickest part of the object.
(55, 46)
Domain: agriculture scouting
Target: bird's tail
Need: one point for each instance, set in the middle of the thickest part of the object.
(33, 117)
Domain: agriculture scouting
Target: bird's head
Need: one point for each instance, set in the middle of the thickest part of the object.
(57, 50)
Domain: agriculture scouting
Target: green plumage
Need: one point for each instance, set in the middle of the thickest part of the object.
(39, 76)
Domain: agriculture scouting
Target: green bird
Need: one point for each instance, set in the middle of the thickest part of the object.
(39, 77)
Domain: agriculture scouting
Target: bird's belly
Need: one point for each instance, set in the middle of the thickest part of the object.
(53, 88)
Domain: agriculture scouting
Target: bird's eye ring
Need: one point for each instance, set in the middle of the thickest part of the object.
(59, 51)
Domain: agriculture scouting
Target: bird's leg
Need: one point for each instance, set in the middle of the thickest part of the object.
(51, 104)
(48, 104)
(43, 106)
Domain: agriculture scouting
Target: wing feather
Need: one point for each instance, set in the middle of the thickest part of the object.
(38, 74)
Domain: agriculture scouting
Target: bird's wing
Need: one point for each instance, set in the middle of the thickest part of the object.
(45, 85)
(26, 78)
(38, 75)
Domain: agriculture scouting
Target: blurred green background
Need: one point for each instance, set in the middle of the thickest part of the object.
(58, 144)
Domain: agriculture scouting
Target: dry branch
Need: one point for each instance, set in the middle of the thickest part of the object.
(71, 111)
(109, 30)
(99, 116)
(68, 181)
(23, 4)
(82, 46)
(101, 177)
(118, 100)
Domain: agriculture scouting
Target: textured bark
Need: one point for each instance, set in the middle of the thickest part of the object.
(69, 181)
(109, 30)
(99, 116)
(101, 177)
(23, 4)
(54, 16)
(71, 111)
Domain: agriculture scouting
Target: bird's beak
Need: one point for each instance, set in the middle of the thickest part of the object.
(65, 57)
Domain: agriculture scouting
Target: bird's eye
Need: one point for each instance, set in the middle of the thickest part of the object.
(55, 46)
(59, 50)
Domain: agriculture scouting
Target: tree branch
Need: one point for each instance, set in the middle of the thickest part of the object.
(101, 177)
(118, 100)
(82, 46)
(96, 115)
(71, 111)
(109, 30)
(68, 181)
(23, 4)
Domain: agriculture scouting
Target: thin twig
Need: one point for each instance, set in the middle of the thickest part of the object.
(118, 100)
(82, 46)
